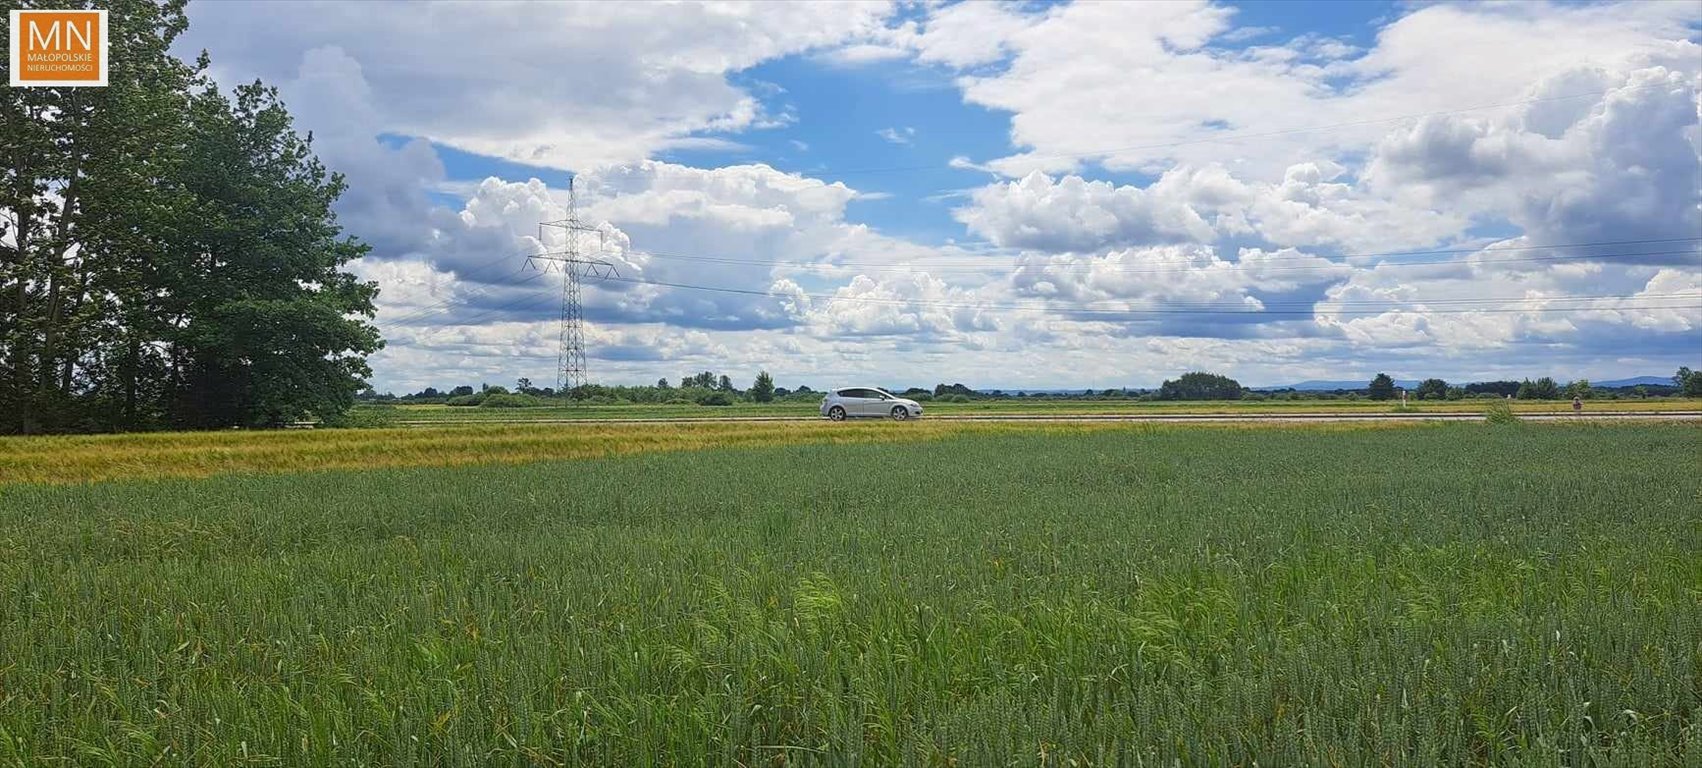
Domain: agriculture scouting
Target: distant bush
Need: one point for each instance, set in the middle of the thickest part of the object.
(716, 398)
(678, 401)
(511, 401)
(1544, 388)
(1432, 389)
(466, 400)
(953, 399)
(362, 417)
(1500, 412)
(1200, 386)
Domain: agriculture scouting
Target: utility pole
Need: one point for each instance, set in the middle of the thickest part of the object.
(577, 262)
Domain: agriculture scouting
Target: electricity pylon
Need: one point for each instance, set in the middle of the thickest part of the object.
(576, 265)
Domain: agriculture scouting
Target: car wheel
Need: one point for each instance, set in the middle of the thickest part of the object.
(836, 413)
(899, 413)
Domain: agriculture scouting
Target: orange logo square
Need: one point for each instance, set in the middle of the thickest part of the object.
(59, 48)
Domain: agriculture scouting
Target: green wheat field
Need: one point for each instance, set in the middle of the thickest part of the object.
(1449, 594)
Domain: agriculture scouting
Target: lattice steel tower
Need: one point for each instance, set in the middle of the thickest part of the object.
(578, 261)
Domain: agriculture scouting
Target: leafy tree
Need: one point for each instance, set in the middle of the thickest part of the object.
(91, 185)
(725, 384)
(941, 390)
(1544, 388)
(1580, 389)
(1432, 389)
(762, 390)
(1200, 386)
(1689, 382)
(505, 400)
(1382, 387)
(173, 258)
(461, 391)
(662, 384)
(523, 385)
(1502, 388)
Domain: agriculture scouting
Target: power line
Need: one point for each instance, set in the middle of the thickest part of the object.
(418, 313)
(1495, 303)
(484, 287)
(1125, 268)
(426, 311)
(1271, 307)
(421, 313)
(1372, 255)
(527, 300)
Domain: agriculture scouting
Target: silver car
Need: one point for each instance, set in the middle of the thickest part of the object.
(868, 402)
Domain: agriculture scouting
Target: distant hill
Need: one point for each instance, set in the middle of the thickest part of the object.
(1663, 381)
(1313, 386)
(1318, 385)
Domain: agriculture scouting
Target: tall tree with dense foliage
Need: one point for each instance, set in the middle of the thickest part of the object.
(762, 390)
(1544, 388)
(1689, 382)
(1502, 388)
(1432, 389)
(1200, 386)
(88, 195)
(267, 337)
(1382, 387)
(170, 258)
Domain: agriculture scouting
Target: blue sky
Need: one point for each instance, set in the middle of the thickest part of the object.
(1042, 195)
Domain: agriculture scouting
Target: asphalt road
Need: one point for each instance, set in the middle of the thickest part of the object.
(1111, 417)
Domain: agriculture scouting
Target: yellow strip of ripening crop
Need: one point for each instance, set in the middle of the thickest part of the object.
(95, 458)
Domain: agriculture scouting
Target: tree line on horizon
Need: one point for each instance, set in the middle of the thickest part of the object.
(710, 388)
(168, 253)
(1208, 386)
